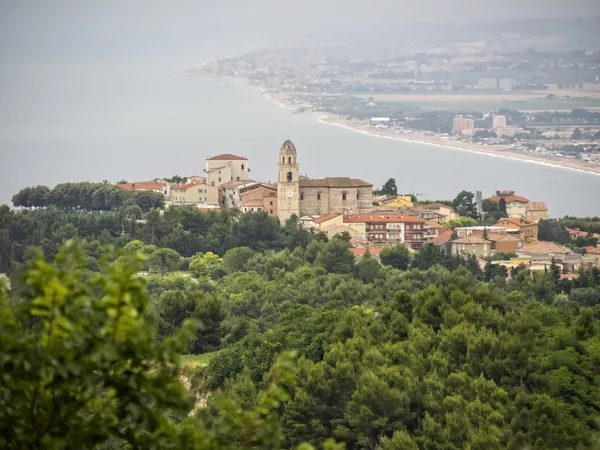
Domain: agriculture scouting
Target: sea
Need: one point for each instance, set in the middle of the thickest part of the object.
(140, 122)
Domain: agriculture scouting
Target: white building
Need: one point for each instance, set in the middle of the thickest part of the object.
(226, 167)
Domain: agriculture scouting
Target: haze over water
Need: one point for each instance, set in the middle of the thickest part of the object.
(106, 112)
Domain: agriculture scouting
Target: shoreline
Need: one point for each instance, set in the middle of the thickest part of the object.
(422, 138)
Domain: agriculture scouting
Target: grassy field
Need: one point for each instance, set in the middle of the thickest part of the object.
(197, 360)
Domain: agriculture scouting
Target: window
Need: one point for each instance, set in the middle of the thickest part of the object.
(219, 179)
(318, 196)
(289, 176)
(271, 211)
(242, 167)
(343, 196)
(205, 199)
(271, 203)
(289, 159)
(199, 191)
(357, 196)
(301, 196)
(238, 178)
(283, 160)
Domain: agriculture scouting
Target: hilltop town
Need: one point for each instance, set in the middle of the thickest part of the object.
(504, 227)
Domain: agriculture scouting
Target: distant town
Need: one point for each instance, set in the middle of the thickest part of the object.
(517, 93)
(504, 226)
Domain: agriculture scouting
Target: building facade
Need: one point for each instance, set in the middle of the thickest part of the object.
(460, 123)
(226, 167)
(194, 194)
(389, 228)
(499, 122)
(305, 196)
(527, 228)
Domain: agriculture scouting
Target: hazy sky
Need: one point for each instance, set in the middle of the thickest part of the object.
(176, 29)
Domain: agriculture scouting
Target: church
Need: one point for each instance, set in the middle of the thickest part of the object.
(306, 196)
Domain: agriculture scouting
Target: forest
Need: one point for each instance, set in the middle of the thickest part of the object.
(292, 343)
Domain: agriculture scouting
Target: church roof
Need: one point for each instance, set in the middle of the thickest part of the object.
(288, 146)
(227, 157)
(333, 182)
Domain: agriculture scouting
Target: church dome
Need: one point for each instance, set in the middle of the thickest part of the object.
(288, 146)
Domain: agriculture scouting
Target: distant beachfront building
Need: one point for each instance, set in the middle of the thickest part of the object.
(496, 83)
(304, 196)
(499, 122)
(460, 123)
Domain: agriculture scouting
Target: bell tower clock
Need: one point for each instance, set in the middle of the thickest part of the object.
(288, 182)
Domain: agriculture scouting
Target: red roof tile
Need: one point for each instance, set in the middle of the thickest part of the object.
(227, 157)
(360, 251)
(442, 238)
(381, 217)
(327, 217)
(515, 222)
(509, 198)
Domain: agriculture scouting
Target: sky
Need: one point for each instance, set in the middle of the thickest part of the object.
(135, 30)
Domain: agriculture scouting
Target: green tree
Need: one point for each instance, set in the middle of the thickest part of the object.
(553, 231)
(344, 236)
(335, 257)
(164, 260)
(389, 188)
(398, 257)
(464, 204)
(237, 259)
(202, 265)
(368, 269)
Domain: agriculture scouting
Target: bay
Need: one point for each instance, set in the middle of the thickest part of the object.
(142, 122)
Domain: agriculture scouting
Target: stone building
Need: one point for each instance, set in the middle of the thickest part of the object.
(226, 167)
(305, 196)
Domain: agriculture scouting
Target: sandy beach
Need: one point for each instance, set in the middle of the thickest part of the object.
(438, 140)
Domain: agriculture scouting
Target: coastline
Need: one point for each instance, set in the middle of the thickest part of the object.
(427, 139)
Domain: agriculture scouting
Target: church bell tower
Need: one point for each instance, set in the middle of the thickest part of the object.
(288, 182)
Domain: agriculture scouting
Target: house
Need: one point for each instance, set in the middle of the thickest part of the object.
(265, 193)
(433, 229)
(479, 231)
(252, 205)
(329, 220)
(446, 212)
(443, 239)
(542, 253)
(226, 167)
(194, 194)
(359, 252)
(516, 206)
(574, 233)
(154, 186)
(505, 242)
(401, 201)
(536, 211)
(471, 246)
(389, 228)
(594, 253)
(527, 228)
(230, 192)
(337, 228)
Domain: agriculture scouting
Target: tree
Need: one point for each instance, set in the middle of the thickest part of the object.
(577, 134)
(236, 259)
(464, 204)
(344, 236)
(164, 260)
(368, 269)
(552, 230)
(335, 257)
(389, 188)
(398, 257)
(203, 264)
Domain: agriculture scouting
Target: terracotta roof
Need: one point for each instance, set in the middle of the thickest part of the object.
(542, 247)
(435, 206)
(152, 185)
(502, 237)
(227, 157)
(381, 217)
(360, 251)
(327, 217)
(471, 240)
(187, 186)
(569, 276)
(518, 222)
(509, 198)
(333, 182)
(536, 206)
(433, 224)
(253, 203)
(576, 232)
(594, 251)
(442, 238)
